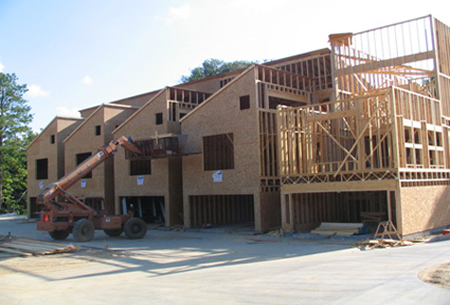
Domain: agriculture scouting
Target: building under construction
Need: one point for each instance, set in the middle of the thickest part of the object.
(358, 132)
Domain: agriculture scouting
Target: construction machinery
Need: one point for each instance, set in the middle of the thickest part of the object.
(82, 216)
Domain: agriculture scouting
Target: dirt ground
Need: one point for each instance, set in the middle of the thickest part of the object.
(438, 275)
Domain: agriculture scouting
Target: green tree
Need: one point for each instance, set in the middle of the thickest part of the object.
(15, 134)
(15, 173)
(212, 67)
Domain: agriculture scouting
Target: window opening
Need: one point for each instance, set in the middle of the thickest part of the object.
(159, 118)
(218, 152)
(140, 167)
(41, 169)
(244, 102)
(80, 158)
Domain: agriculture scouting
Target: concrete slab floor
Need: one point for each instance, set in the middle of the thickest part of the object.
(169, 267)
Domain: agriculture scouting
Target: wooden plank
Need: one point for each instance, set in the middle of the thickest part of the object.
(29, 248)
(332, 115)
(384, 63)
(12, 251)
(380, 185)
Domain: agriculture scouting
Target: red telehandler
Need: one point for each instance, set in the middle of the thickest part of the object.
(82, 216)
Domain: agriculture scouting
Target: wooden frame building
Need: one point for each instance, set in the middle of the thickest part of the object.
(358, 132)
(380, 148)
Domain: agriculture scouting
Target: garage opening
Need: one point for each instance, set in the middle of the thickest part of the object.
(150, 208)
(307, 211)
(221, 209)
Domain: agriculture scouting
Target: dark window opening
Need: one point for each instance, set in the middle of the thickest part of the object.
(80, 158)
(140, 167)
(182, 115)
(41, 169)
(218, 152)
(159, 118)
(223, 82)
(275, 101)
(98, 130)
(52, 139)
(244, 102)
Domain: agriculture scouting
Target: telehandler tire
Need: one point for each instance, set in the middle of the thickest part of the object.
(83, 230)
(59, 234)
(135, 228)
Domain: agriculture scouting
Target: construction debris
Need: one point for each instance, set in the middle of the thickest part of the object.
(26, 247)
(278, 232)
(338, 229)
(387, 243)
(255, 241)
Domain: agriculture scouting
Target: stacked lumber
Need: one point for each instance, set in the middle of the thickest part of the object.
(337, 229)
(28, 247)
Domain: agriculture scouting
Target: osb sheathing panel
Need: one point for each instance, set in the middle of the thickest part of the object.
(222, 115)
(174, 208)
(85, 113)
(155, 184)
(163, 179)
(137, 101)
(65, 128)
(424, 208)
(208, 84)
(113, 117)
(84, 140)
(42, 149)
(143, 123)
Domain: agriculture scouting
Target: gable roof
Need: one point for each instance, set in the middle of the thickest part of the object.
(56, 118)
(100, 108)
(140, 109)
(245, 71)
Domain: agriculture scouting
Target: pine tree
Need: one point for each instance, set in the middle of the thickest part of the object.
(14, 134)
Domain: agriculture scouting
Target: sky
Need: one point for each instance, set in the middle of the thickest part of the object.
(75, 54)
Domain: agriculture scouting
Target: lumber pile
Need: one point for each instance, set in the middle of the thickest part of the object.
(337, 229)
(387, 243)
(11, 246)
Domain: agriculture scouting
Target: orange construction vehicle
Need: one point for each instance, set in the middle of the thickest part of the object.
(82, 216)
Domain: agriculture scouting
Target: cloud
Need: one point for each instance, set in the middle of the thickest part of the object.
(67, 112)
(1, 67)
(37, 91)
(87, 80)
(178, 13)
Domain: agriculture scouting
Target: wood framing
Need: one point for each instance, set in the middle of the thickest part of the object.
(385, 129)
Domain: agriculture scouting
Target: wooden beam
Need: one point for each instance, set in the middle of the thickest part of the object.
(375, 65)
(351, 186)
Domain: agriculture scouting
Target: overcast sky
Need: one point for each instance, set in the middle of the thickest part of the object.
(74, 54)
